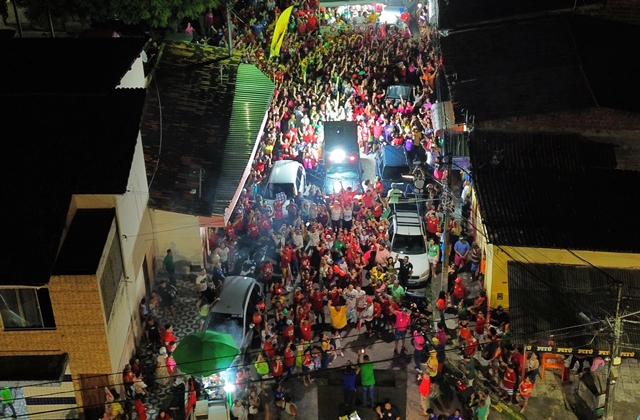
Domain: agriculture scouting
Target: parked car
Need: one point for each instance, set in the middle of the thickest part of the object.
(233, 313)
(286, 176)
(408, 238)
(391, 163)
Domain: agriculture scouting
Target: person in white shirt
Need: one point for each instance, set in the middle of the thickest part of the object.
(466, 190)
(201, 282)
(239, 411)
(223, 253)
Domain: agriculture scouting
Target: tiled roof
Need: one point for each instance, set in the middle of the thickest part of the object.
(552, 208)
(540, 150)
(84, 243)
(66, 65)
(464, 13)
(552, 190)
(570, 290)
(196, 85)
(540, 66)
(62, 145)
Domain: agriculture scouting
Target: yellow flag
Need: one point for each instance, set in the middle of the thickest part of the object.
(281, 29)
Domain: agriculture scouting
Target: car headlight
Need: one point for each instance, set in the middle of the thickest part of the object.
(337, 155)
(425, 273)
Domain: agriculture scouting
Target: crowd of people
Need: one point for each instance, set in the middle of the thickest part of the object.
(333, 252)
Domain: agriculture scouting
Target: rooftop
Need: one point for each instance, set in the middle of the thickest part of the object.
(213, 108)
(547, 190)
(66, 66)
(457, 14)
(63, 145)
(540, 150)
(84, 243)
(593, 293)
(541, 65)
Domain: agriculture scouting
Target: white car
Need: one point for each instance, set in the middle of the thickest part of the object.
(407, 237)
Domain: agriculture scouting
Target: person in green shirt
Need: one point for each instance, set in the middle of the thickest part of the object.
(468, 367)
(367, 378)
(170, 266)
(339, 245)
(397, 291)
(394, 194)
(7, 401)
(483, 410)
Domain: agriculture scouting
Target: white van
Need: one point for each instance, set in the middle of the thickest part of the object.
(287, 176)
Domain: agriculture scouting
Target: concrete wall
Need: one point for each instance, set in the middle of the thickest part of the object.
(181, 233)
(497, 282)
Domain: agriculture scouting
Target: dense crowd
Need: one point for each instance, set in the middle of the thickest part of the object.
(333, 252)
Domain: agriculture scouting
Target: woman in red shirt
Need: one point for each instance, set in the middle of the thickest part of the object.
(290, 359)
(252, 227)
(305, 330)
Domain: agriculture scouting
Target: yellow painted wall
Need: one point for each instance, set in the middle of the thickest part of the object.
(496, 278)
(181, 233)
(80, 329)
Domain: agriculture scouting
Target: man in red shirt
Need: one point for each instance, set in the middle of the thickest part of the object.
(289, 359)
(289, 332)
(265, 224)
(253, 229)
(278, 214)
(459, 291)
(425, 392)
(317, 304)
(508, 383)
(285, 262)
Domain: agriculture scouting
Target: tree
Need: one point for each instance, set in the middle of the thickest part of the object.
(155, 13)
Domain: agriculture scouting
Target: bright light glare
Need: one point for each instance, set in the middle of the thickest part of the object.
(337, 155)
(352, 158)
(229, 388)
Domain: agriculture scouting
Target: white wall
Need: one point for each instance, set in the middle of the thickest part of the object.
(181, 233)
(136, 241)
(134, 78)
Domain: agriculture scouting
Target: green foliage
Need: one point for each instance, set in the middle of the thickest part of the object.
(156, 13)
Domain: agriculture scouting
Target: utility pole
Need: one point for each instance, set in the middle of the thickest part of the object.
(229, 27)
(615, 359)
(447, 213)
(15, 12)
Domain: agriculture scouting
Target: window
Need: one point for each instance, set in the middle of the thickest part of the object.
(409, 244)
(26, 309)
(111, 276)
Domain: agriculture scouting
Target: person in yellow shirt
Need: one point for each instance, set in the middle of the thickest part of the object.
(338, 316)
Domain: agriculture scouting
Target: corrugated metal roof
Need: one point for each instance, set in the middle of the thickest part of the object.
(251, 100)
(566, 291)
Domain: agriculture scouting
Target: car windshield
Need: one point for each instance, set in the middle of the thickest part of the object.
(408, 244)
(273, 189)
(395, 172)
(228, 324)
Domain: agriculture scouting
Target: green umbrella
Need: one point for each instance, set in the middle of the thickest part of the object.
(205, 352)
